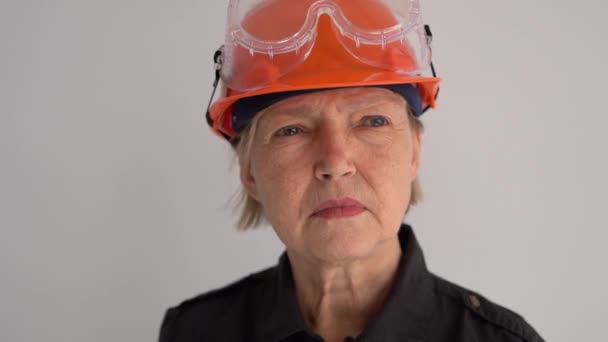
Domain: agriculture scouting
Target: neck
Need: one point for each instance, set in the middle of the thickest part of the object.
(339, 299)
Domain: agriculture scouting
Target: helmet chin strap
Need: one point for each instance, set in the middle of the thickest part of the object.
(217, 60)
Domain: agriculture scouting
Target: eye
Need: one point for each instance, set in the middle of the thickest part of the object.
(375, 121)
(288, 131)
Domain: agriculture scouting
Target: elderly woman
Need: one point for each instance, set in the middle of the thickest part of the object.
(321, 104)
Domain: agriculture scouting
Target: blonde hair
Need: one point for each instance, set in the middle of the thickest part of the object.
(252, 214)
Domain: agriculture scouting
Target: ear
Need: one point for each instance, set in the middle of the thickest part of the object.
(416, 149)
(248, 180)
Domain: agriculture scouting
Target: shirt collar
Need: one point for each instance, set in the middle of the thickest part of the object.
(407, 312)
(279, 314)
(405, 316)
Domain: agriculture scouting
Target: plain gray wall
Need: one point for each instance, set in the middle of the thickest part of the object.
(113, 192)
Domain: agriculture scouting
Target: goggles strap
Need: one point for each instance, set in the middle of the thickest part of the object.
(429, 39)
(217, 60)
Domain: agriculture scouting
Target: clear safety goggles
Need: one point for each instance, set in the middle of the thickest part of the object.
(266, 39)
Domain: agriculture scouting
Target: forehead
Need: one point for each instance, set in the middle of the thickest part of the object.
(343, 99)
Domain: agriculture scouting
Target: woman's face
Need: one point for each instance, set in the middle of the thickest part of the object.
(333, 171)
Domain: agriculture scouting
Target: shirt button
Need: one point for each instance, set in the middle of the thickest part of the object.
(474, 301)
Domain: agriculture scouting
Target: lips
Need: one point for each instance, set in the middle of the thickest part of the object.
(339, 208)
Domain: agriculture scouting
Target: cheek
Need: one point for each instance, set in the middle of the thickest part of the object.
(389, 172)
(280, 181)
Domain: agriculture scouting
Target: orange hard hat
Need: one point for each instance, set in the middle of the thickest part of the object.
(276, 46)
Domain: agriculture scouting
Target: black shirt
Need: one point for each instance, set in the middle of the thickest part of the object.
(420, 307)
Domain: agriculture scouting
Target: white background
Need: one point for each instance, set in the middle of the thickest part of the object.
(114, 195)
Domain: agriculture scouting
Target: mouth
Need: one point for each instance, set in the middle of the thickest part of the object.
(339, 208)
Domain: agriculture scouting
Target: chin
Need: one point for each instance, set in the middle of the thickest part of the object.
(341, 241)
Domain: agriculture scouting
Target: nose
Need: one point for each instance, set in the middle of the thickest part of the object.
(334, 151)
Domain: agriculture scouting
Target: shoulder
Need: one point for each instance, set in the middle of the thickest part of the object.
(480, 319)
(209, 314)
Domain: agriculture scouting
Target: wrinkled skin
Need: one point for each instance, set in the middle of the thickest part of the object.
(353, 142)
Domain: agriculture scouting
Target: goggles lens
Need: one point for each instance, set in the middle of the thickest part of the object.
(266, 39)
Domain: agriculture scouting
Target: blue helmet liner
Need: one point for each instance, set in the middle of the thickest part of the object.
(245, 109)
